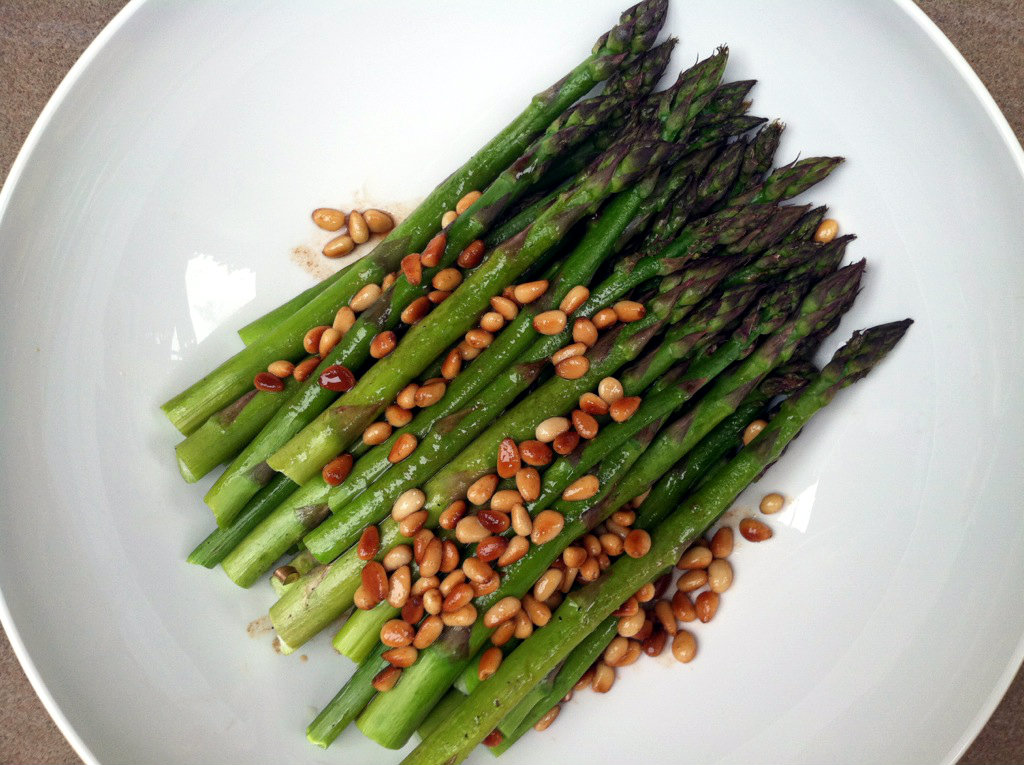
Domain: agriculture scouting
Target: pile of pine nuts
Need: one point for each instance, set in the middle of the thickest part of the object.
(358, 227)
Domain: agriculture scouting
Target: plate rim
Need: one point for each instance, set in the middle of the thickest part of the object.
(937, 37)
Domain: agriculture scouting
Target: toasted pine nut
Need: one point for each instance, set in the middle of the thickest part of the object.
(547, 718)
(409, 501)
(590, 570)
(374, 580)
(528, 483)
(610, 390)
(385, 680)
(753, 430)
(344, 319)
(451, 515)
(593, 404)
(459, 595)
(434, 250)
(481, 490)
(432, 601)
(330, 338)
(403, 446)
(585, 680)
(431, 562)
(754, 530)
(416, 310)
(719, 576)
(472, 255)
(616, 651)
(282, 368)
(406, 397)
(665, 615)
(430, 393)
(490, 660)
(377, 433)
(491, 548)
(449, 556)
(396, 633)
(629, 310)
(508, 309)
(645, 594)
(522, 523)
(502, 611)
(573, 299)
(584, 331)
(467, 201)
(567, 352)
(539, 613)
(477, 570)
(611, 544)
(771, 503)
(311, 340)
(305, 368)
(366, 297)
(396, 557)
(505, 499)
(492, 321)
(369, 543)
(328, 218)
(637, 543)
(546, 526)
(547, 430)
(420, 542)
(604, 318)
(565, 442)
(624, 517)
(682, 607)
(495, 521)
(592, 545)
(573, 368)
(412, 268)
(707, 605)
(524, 627)
(582, 488)
(436, 297)
(428, 632)
(399, 586)
(357, 227)
(527, 292)
(684, 646)
(424, 584)
(535, 453)
(339, 246)
(389, 281)
(604, 678)
(479, 338)
(469, 530)
(467, 352)
(464, 617)
(503, 632)
(694, 558)
(268, 383)
(378, 221)
(548, 584)
(624, 408)
(518, 546)
(411, 524)
(447, 279)
(630, 625)
(549, 322)
(585, 424)
(721, 543)
(826, 231)
(448, 218)
(574, 556)
(397, 417)
(452, 365)
(362, 599)
(692, 580)
(509, 461)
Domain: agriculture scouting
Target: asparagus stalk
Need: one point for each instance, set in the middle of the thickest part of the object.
(348, 702)
(634, 33)
(583, 611)
(360, 633)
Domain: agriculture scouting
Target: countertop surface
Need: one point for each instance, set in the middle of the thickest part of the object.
(41, 39)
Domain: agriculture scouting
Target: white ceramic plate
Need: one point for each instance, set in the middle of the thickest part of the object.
(153, 212)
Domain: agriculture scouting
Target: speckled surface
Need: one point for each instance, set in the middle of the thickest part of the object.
(41, 39)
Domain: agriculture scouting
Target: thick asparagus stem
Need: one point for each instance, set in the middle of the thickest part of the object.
(635, 33)
(584, 610)
(348, 702)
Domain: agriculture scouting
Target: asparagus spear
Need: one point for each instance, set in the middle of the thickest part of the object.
(583, 611)
(634, 33)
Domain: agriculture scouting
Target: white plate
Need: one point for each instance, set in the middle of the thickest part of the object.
(153, 211)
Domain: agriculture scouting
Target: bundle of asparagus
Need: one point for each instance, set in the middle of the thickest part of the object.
(622, 292)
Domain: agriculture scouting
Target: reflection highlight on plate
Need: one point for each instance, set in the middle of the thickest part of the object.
(797, 511)
(215, 291)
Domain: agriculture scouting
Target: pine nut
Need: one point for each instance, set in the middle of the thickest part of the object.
(754, 530)
(397, 417)
(467, 201)
(383, 344)
(522, 523)
(604, 318)
(548, 584)
(429, 631)
(611, 544)
(490, 660)
(366, 297)
(416, 310)
(565, 442)
(448, 218)
(573, 556)
(374, 581)
(330, 338)
(268, 383)
(624, 517)
(412, 268)
(385, 680)
(584, 331)
(467, 352)
(635, 649)
(573, 299)
(282, 368)
(505, 499)
(451, 515)
(582, 488)
(610, 390)
(692, 580)
(311, 340)
(518, 546)
(430, 393)
(665, 616)
(436, 297)
(495, 521)
(460, 594)
(396, 633)
(593, 404)
(413, 610)
(631, 625)
(362, 599)
(369, 543)
(483, 589)
(431, 562)
(682, 607)
(550, 428)
(547, 718)
(604, 678)
(420, 542)
(645, 594)
(616, 651)
(357, 227)
(524, 627)
(721, 543)
(629, 310)
(771, 503)
(492, 321)
(449, 556)
(684, 646)
(399, 587)
(549, 322)
(339, 246)
(590, 570)
(424, 585)
(502, 611)
(447, 279)
(707, 605)
(585, 424)
(452, 365)
(411, 524)
(527, 292)
(509, 461)
(337, 470)
(396, 557)
(409, 501)
(388, 281)
(406, 397)
(472, 255)
(753, 430)
(305, 368)
(535, 453)
(378, 221)
(404, 656)
(479, 338)
(585, 681)
(469, 530)
(464, 617)
(377, 433)
(826, 231)
(539, 613)
(694, 558)
(328, 218)
(403, 446)
(567, 352)
(592, 545)
(432, 601)
(624, 408)
(503, 632)
(481, 490)
(637, 543)
(719, 576)
(434, 250)
(505, 307)
(546, 526)
(573, 368)
(491, 548)
(528, 483)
